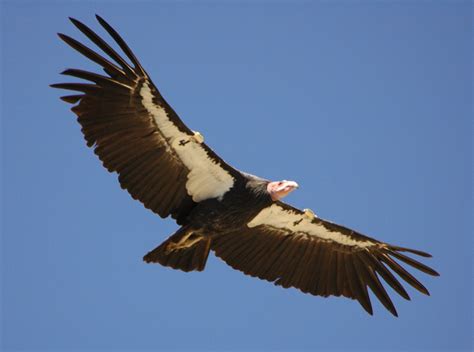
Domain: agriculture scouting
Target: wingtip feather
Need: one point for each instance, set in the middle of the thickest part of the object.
(65, 37)
(413, 251)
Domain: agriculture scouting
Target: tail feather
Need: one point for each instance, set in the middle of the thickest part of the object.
(186, 250)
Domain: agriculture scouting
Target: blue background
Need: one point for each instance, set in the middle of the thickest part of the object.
(366, 104)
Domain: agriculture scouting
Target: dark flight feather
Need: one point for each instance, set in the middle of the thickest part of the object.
(291, 248)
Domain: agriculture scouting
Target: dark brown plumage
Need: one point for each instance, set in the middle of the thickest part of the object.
(167, 167)
(319, 267)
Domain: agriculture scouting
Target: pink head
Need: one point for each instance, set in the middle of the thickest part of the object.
(279, 189)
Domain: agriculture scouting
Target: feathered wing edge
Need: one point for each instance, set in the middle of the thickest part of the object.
(320, 266)
(120, 115)
(287, 258)
(119, 128)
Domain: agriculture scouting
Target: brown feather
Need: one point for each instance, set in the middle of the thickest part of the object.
(104, 46)
(357, 289)
(405, 275)
(331, 278)
(371, 261)
(258, 248)
(72, 99)
(270, 267)
(92, 55)
(414, 251)
(283, 264)
(301, 276)
(263, 266)
(414, 263)
(102, 81)
(321, 265)
(121, 44)
(368, 278)
(288, 278)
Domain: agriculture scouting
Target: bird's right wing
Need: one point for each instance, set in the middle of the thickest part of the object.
(293, 248)
(135, 133)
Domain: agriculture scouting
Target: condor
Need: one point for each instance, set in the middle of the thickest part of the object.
(169, 168)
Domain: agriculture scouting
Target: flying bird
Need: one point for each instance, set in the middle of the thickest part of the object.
(239, 216)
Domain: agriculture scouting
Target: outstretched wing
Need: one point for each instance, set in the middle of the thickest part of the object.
(135, 133)
(293, 248)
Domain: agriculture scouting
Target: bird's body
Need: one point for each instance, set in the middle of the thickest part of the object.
(236, 209)
(169, 168)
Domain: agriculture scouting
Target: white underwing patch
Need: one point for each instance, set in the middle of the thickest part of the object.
(276, 216)
(206, 178)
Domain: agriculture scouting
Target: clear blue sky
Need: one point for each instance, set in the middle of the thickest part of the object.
(366, 104)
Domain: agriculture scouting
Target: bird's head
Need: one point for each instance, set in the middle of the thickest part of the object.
(280, 189)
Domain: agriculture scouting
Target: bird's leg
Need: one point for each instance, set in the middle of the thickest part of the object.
(186, 241)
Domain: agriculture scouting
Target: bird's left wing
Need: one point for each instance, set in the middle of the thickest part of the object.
(294, 248)
(135, 133)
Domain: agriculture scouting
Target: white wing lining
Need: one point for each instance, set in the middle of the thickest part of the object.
(278, 217)
(206, 179)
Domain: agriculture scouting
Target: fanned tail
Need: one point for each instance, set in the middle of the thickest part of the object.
(186, 250)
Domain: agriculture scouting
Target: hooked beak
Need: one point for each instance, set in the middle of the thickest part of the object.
(290, 185)
(280, 189)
